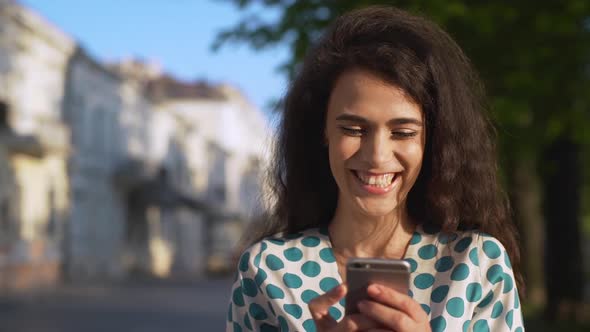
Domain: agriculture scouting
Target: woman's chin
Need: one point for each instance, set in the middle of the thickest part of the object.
(377, 209)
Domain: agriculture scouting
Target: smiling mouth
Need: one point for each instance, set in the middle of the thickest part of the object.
(375, 180)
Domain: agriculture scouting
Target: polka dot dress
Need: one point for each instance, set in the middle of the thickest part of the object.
(464, 281)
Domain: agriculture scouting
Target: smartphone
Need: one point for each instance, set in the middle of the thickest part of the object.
(361, 272)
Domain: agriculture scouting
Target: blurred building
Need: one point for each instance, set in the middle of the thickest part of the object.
(34, 145)
(111, 170)
(225, 155)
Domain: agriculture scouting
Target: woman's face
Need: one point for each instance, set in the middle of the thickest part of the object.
(375, 136)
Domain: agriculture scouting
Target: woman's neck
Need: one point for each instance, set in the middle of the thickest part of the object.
(356, 235)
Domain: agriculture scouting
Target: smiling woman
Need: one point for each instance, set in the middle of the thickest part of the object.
(384, 151)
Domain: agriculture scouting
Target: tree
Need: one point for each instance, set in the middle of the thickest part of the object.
(533, 57)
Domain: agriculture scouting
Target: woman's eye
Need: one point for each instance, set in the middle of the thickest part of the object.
(403, 134)
(352, 131)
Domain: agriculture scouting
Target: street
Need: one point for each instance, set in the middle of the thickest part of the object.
(154, 306)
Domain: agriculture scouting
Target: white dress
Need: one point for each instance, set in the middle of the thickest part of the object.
(463, 281)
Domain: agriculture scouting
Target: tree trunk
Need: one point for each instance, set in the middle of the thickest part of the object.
(564, 263)
(526, 202)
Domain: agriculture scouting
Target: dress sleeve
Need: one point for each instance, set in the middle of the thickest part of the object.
(499, 308)
(249, 308)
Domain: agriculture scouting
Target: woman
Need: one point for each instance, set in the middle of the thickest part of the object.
(383, 151)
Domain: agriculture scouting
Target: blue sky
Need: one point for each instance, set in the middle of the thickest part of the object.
(176, 33)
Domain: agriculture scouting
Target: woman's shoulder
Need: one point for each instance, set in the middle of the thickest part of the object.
(472, 246)
(273, 251)
(459, 240)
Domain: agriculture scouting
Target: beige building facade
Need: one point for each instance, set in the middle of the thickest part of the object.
(34, 198)
(108, 171)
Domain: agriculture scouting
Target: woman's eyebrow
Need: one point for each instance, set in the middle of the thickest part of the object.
(351, 118)
(402, 121)
(394, 121)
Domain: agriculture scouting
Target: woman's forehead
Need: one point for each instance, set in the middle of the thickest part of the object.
(364, 94)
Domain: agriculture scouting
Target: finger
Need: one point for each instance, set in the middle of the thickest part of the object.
(319, 307)
(357, 322)
(395, 299)
(386, 316)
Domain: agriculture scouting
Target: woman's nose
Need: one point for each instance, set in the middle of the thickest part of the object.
(378, 150)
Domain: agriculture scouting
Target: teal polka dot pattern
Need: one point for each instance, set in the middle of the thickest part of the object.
(293, 310)
(310, 241)
(473, 292)
(238, 297)
(283, 325)
(326, 284)
(518, 329)
(260, 277)
(446, 238)
(293, 236)
(455, 307)
(438, 324)
(416, 237)
(428, 251)
(309, 325)
(247, 322)
(491, 249)
(508, 283)
(466, 325)
(439, 293)
(274, 263)
(311, 269)
(484, 303)
(463, 244)
(481, 326)
(308, 295)
(292, 280)
(249, 287)
(444, 264)
(276, 241)
(335, 313)
(497, 310)
(413, 264)
(327, 255)
(257, 312)
(460, 272)
(509, 318)
(244, 261)
(237, 327)
(424, 281)
(257, 260)
(507, 260)
(495, 274)
(462, 280)
(274, 292)
(293, 254)
(473, 257)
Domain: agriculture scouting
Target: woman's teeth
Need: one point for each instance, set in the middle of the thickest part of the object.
(380, 181)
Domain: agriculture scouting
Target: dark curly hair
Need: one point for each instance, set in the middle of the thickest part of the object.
(457, 188)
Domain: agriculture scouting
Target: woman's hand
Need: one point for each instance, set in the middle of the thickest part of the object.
(394, 310)
(325, 323)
